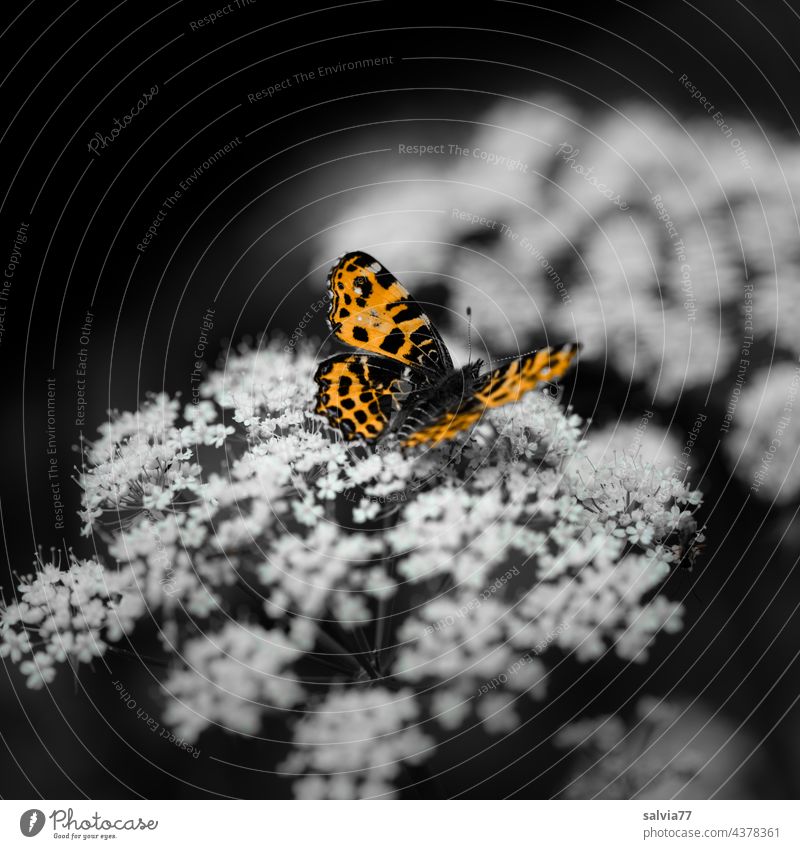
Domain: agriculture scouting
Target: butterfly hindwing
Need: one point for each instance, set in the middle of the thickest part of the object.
(442, 427)
(371, 310)
(357, 393)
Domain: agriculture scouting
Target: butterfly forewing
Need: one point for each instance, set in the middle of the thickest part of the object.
(513, 379)
(370, 309)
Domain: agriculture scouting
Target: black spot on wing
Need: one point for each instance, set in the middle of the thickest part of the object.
(385, 404)
(407, 314)
(361, 334)
(385, 278)
(420, 337)
(365, 286)
(394, 341)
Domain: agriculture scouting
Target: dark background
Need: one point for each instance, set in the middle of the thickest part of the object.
(243, 237)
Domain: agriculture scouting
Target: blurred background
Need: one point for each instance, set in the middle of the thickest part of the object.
(622, 176)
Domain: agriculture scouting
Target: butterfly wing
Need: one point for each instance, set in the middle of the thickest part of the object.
(500, 386)
(370, 309)
(513, 379)
(445, 425)
(358, 392)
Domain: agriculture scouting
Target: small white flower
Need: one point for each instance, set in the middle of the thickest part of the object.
(366, 511)
(497, 713)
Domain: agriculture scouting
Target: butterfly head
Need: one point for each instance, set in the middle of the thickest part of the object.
(472, 370)
(461, 382)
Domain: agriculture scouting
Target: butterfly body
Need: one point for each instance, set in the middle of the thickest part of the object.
(449, 391)
(402, 383)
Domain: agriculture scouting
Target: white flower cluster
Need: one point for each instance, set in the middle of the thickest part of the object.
(615, 762)
(764, 442)
(665, 750)
(420, 580)
(232, 677)
(142, 461)
(67, 615)
(357, 743)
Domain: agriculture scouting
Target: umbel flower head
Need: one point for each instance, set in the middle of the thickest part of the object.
(661, 749)
(428, 586)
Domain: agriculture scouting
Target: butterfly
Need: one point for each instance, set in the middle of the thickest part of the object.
(402, 382)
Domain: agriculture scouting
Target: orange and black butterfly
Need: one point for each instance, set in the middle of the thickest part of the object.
(402, 381)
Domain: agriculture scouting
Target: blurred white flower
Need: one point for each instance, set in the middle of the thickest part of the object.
(356, 742)
(231, 678)
(667, 750)
(764, 441)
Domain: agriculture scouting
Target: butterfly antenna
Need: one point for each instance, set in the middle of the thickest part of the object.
(469, 334)
(496, 361)
(571, 346)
